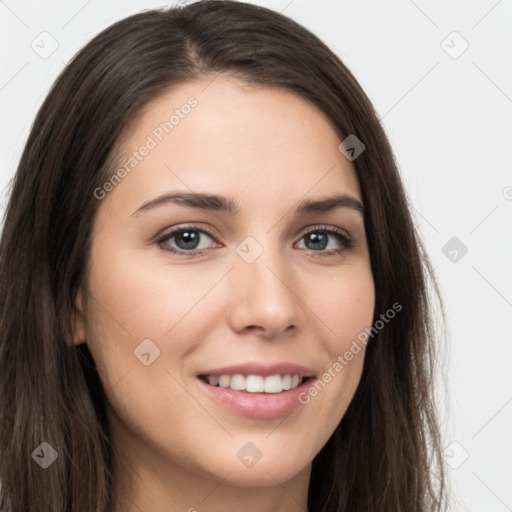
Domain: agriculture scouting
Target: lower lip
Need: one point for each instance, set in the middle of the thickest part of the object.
(258, 405)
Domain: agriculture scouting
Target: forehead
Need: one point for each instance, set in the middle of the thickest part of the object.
(261, 144)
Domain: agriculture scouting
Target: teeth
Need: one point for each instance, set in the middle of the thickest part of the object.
(255, 383)
(237, 382)
(224, 381)
(273, 384)
(213, 380)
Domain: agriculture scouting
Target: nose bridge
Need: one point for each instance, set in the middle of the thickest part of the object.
(265, 284)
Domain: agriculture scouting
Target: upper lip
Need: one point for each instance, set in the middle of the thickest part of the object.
(265, 370)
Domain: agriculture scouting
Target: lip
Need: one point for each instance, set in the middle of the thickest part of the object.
(258, 405)
(265, 370)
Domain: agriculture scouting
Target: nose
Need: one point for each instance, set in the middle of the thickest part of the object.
(265, 298)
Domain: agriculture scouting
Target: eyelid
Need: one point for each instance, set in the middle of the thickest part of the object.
(324, 227)
(177, 229)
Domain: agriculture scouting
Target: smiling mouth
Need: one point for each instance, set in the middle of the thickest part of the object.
(255, 383)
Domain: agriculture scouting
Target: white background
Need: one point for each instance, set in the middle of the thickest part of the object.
(450, 124)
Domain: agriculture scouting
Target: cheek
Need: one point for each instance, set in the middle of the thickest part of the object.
(345, 303)
(346, 307)
(130, 306)
(133, 299)
(144, 295)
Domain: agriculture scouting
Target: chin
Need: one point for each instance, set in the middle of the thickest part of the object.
(273, 466)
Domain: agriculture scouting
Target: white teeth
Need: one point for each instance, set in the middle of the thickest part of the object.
(255, 383)
(224, 381)
(273, 384)
(237, 382)
(213, 380)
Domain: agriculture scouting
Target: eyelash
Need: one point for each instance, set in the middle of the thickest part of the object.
(347, 242)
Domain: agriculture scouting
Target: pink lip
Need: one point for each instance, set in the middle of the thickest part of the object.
(259, 405)
(264, 370)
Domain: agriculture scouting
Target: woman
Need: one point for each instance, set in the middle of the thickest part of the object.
(213, 293)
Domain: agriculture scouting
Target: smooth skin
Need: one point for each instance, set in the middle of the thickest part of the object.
(266, 149)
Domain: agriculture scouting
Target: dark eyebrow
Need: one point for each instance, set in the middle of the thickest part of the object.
(194, 200)
(329, 203)
(222, 204)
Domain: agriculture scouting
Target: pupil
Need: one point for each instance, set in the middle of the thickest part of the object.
(188, 239)
(319, 240)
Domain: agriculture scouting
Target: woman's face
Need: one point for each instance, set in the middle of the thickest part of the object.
(268, 287)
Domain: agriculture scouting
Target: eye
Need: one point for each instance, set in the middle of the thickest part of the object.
(186, 240)
(330, 238)
(192, 241)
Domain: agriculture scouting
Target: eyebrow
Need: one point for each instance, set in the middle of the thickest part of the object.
(212, 202)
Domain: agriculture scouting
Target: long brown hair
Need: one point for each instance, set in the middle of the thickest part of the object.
(385, 453)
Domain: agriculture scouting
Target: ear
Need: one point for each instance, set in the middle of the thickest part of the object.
(78, 320)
